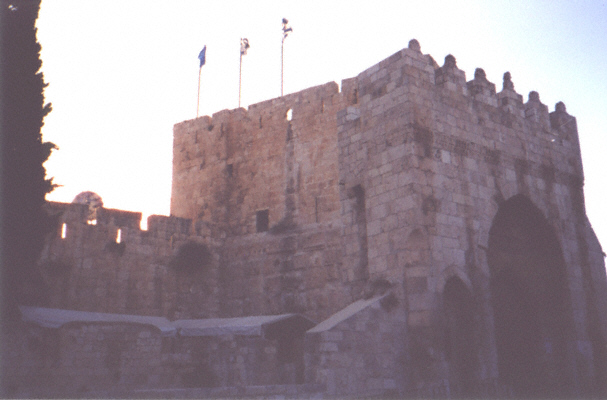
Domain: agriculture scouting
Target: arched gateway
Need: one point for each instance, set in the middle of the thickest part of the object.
(531, 302)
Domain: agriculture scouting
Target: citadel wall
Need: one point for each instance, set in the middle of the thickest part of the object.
(279, 155)
(280, 158)
(88, 268)
(463, 201)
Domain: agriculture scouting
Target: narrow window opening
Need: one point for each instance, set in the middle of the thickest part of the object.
(322, 105)
(316, 203)
(63, 231)
(230, 170)
(119, 236)
(355, 97)
(262, 220)
(289, 115)
(260, 122)
(143, 223)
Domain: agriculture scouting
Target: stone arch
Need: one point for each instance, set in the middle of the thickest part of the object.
(530, 301)
(453, 272)
(460, 348)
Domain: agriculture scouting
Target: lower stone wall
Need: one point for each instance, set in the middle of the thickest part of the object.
(227, 360)
(108, 359)
(80, 358)
(303, 391)
(361, 350)
(297, 270)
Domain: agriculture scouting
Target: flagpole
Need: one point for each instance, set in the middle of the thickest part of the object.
(244, 45)
(198, 100)
(282, 65)
(240, 79)
(202, 58)
(285, 32)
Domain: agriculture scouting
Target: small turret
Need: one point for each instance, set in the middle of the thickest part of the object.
(536, 111)
(507, 85)
(414, 45)
(510, 101)
(450, 77)
(562, 122)
(481, 89)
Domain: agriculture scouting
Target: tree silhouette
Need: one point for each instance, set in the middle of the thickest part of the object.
(24, 222)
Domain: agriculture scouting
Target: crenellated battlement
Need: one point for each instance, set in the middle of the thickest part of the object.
(74, 214)
(209, 149)
(385, 76)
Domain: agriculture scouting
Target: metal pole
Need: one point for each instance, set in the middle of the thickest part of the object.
(285, 31)
(244, 45)
(198, 101)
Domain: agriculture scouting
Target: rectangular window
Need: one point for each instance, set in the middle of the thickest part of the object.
(63, 231)
(262, 220)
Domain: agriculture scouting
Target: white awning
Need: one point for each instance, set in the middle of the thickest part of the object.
(262, 325)
(56, 318)
(249, 326)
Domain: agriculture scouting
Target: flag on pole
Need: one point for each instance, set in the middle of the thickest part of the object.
(244, 46)
(202, 55)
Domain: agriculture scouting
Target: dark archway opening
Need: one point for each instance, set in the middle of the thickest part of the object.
(460, 349)
(518, 337)
(531, 303)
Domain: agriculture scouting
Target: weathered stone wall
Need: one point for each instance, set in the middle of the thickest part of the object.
(296, 271)
(230, 360)
(280, 156)
(436, 157)
(84, 359)
(361, 351)
(228, 167)
(89, 270)
(81, 358)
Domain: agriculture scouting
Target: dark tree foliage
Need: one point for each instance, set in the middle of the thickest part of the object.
(24, 222)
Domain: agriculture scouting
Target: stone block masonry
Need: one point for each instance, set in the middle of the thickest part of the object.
(111, 265)
(463, 200)
(438, 158)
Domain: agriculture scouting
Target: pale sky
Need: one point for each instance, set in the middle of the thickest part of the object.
(121, 73)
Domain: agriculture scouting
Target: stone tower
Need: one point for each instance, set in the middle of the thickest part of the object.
(467, 203)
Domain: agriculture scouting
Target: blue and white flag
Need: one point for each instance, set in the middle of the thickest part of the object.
(202, 55)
